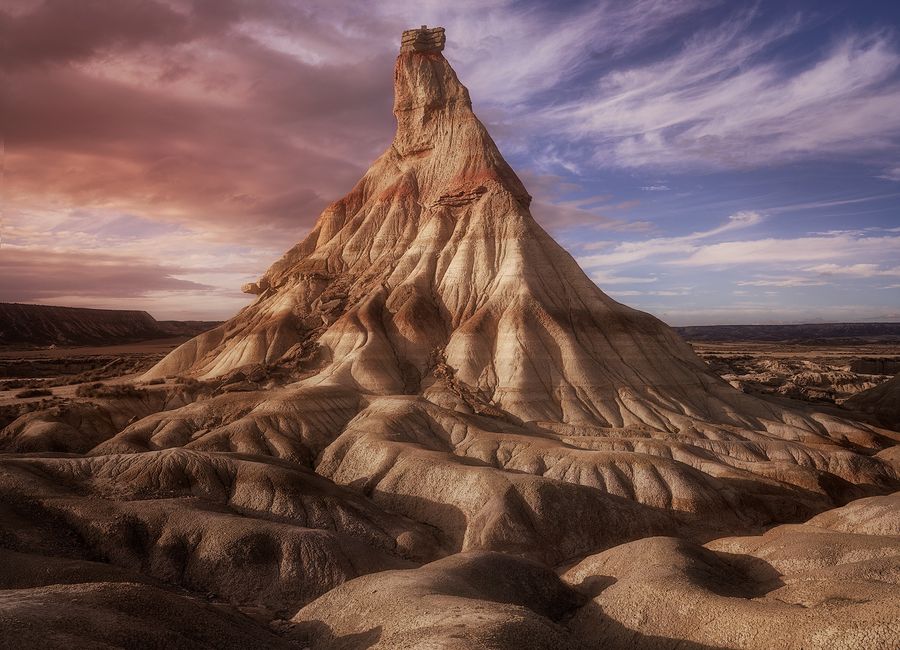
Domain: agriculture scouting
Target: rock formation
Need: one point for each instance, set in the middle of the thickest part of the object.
(431, 277)
(829, 583)
(31, 325)
(882, 402)
(429, 374)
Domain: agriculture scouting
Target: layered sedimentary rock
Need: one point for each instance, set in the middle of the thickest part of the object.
(431, 296)
(431, 277)
(428, 373)
(31, 325)
(829, 583)
(46, 325)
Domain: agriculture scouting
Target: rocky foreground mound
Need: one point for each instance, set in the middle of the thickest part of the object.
(431, 429)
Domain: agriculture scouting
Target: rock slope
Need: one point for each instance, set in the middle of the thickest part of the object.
(882, 401)
(829, 583)
(431, 300)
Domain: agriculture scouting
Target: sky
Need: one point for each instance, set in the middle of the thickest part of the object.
(709, 162)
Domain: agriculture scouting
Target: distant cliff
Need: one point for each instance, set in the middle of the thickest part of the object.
(48, 325)
(811, 333)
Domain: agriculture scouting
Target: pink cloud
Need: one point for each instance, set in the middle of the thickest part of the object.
(37, 275)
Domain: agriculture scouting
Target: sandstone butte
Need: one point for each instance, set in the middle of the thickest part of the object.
(431, 429)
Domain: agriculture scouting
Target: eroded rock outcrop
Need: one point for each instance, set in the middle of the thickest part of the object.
(429, 292)
(829, 583)
(882, 402)
(428, 373)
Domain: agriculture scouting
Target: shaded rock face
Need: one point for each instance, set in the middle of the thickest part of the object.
(876, 366)
(829, 583)
(883, 402)
(459, 409)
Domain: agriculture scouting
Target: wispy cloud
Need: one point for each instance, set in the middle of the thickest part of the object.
(830, 203)
(791, 251)
(855, 270)
(603, 278)
(33, 275)
(660, 292)
(770, 312)
(891, 174)
(541, 48)
(791, 255)
(662, 248)
(722, 101)
(781, 282)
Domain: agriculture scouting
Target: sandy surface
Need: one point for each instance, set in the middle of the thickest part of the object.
(156, 346)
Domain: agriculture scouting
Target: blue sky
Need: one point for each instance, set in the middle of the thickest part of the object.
(731, 163)
(709, 162)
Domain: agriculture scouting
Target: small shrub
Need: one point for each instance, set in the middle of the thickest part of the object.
(100, 389)
(35, 392)
(89, 390)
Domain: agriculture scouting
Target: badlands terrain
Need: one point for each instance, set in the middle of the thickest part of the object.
(431, 429)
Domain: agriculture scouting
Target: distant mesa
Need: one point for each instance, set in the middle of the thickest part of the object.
(834, 333)
(42, 325)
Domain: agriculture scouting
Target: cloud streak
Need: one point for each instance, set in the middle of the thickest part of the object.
(720, 101)
(40, 275)
(179, 115)
(191, 141)
(660, 248)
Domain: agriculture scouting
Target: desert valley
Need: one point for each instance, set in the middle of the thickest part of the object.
(431, 429)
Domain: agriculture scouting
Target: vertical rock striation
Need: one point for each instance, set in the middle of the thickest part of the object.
(432, 267)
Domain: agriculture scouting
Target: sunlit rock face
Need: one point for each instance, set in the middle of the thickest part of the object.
(431, 296)
(428, 378)
(433, 267)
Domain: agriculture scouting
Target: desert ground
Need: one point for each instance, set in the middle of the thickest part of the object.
(431, 429)
(805, 371)
(117, 590)
(815, 373)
